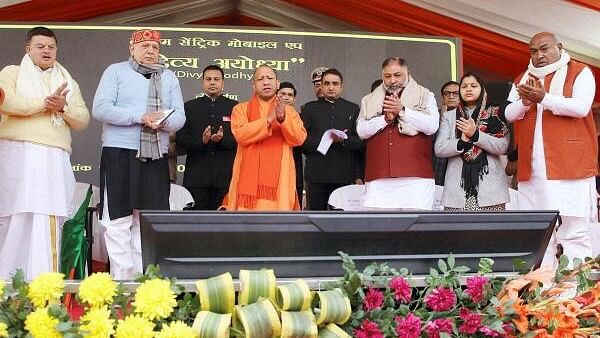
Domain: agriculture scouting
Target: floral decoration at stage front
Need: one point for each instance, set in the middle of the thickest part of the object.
(377, 302)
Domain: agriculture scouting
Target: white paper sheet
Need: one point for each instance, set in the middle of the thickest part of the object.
(327, 139)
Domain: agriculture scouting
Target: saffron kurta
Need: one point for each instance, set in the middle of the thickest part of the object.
(247, 133)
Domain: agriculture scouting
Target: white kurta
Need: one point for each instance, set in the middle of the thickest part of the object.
(400, 192)
(35, 178)
(574, 199)
(571, 197)
(36, 189)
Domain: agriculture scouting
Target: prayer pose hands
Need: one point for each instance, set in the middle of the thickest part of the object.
(278, 112)
(467, 127)
(218, 136)
(57, 101)
(392, 107)
(208, 136)
(532, 91)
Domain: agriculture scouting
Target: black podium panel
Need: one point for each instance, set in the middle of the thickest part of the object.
(196, 244)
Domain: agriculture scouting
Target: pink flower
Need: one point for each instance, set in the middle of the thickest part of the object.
(368, 329)
(436, 326)
(373, 299)
(401, 289)
(441, 299)
(471, 321)
(408, 327)
(475, 288)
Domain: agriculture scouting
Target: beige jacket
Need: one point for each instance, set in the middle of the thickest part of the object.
(25, 119)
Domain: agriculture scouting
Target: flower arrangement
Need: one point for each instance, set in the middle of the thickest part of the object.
(538, 304)
(379, 302)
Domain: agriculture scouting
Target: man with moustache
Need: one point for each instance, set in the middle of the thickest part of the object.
(266, 130)
(131, 101)
(556, 142)
(396, 121)
(341, 164)
(42, 105)
(207, 139)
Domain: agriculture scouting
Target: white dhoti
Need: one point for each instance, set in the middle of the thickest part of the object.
(36, 189)
(575, 199)
(402, 193)
(123, 243)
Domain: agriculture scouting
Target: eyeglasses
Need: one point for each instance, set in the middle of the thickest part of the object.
(450, 94)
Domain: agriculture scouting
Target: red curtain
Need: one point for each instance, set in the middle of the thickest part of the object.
(482, 49)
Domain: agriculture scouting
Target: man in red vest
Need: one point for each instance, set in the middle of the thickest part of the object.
(397, 120)
(556, 142)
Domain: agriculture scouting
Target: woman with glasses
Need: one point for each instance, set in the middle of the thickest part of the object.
(472, 137)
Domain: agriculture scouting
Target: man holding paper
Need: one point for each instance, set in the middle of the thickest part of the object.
(133, 100)
(397, 120)
(332, 147)
(42, 104)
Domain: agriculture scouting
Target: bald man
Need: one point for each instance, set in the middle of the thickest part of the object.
(266, 130)
(556, 142)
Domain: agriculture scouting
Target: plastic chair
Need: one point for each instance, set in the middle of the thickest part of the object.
(348, 198)
(180, 198)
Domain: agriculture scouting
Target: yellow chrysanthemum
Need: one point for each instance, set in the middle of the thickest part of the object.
(98, 289)
(46, 289)
(135, 326)
(177, 329)
(154, 299)
(41, 325)
(96, 323)
(3, 330)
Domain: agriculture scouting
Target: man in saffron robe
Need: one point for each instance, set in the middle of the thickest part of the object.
(266, 130)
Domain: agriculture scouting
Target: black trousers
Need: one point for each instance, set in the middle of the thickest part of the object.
(131, 183)
(207, 198)
(317, 194)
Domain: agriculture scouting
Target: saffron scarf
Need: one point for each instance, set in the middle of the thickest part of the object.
(488, 120)
(261, 162)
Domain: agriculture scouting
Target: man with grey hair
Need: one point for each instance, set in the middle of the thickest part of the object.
(397, 121)
(133, 101)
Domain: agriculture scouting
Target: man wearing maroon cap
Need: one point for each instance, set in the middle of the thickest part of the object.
(139, 103)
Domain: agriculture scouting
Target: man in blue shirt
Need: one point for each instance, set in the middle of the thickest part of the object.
(132, 101)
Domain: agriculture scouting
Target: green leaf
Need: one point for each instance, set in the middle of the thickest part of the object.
(64, 326)
(433, 272)
(442, 266)
(563, 262)
(485, 266)
(462, 269)
(354, 283)
(445, 335)
(451, 261)
(369, 270)
(520, 266)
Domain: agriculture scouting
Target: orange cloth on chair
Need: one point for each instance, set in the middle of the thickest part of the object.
(254, 135)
